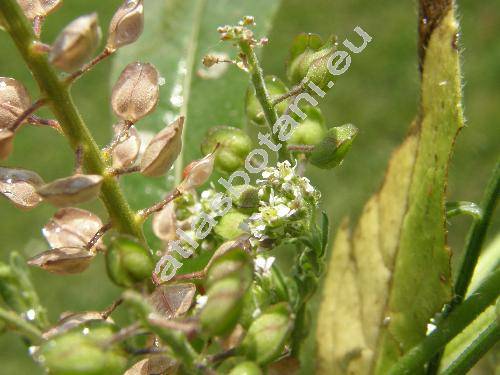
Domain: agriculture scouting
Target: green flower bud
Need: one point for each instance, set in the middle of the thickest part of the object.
(311, 131)
(331, 151)
(76, 43)
(309, 59)
(246, 368)
(253, 108)
(228, 226)
(82, 351)
(234, 146)
(128, 262)
(266, 337)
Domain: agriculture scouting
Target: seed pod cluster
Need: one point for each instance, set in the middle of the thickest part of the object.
(76, 43)
(126, 25)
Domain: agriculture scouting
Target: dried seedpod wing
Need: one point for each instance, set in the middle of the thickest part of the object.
(136, 92)
(126, 25)
(6, 143)
(14, 100)
(68, 191)
(38, 8)
(127, 150)
(64, 260)
(20, 187)
(76, 43)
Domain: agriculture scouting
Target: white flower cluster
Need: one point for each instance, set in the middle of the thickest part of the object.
(287, 202)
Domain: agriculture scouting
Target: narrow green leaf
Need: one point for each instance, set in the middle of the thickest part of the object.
(387, 279)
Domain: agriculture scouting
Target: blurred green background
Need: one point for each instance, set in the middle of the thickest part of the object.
(379, 94)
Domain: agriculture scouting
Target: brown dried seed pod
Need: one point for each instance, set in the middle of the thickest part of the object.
(136, 92)
(76, 43)
(126, 25)
(173, 300)
(72, 227)
(155, 364)
(6, 143)
(126, 152)
(64, 260)
(68, 191)
(198, 172)
(165, 223)
(19, 186)
(14, 100)
(164, 148)
(38, 8)
(70, 321)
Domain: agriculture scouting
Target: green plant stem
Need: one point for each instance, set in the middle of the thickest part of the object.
(19, 324)
(485, 295)
(473, 246)
(479, 347)
(61, 102)
(262, 95)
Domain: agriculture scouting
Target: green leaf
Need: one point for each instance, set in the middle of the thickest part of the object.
(177, 34)
(392, 274)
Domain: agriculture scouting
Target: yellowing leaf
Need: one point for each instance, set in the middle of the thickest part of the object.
(392, 274)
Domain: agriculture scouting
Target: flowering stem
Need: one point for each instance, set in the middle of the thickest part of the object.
(61, 102)
(465, 313)
(19, 324)
(262, 95)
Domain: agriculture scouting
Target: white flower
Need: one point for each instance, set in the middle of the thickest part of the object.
(201, 301)
(263, 265)
(282, 210)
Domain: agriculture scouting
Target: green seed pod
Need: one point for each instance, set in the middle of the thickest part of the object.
(246, 368)
(14, 100)
(128, 262)
(309, 59)
(76, 43)
(311, 131)
(330, 152)
(253, 108)
(68, 191)
(245, 197)
(234, 263)
(228, 226)
(126, 25)
(83, 351)
(266, 337)
(234, 146)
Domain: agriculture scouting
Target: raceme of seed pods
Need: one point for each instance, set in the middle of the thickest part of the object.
(238, 304)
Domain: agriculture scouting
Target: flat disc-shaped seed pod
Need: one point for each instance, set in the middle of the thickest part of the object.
(67, 191)
(126, 25)
(14, 100)
(155, 364)
(198, 172)
(6, 143)
(19, 186)
(40, 8)
(165, 223)
(72, 227)
(71, 321)
(76, 43)
(163, 150)
(173, 300)
(64, 260)
(136, 92)
(127, 151)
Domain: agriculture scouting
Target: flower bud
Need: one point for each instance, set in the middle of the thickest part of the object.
(136, 92)
(330, 152)
(309, 59)
(38, 8)
(64, 260)
(163, 150)
(75, 189)
(6, 143)
(266, 337)
(245, 197)
(228, 226)
(83, 351)
(234, 146)
(253, 108)
(126, 152)
(126, 25)
(246, 368)
(20, 187)
(198, 172)
(128, 262)
(311, 131)
(14, 100)
(171, 301)
(76, 43)
(72, 227)
(165, 223)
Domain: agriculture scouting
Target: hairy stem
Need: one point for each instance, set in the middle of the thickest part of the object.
(19, 324)
(61, 102)
(262, 95)
(485, 295)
